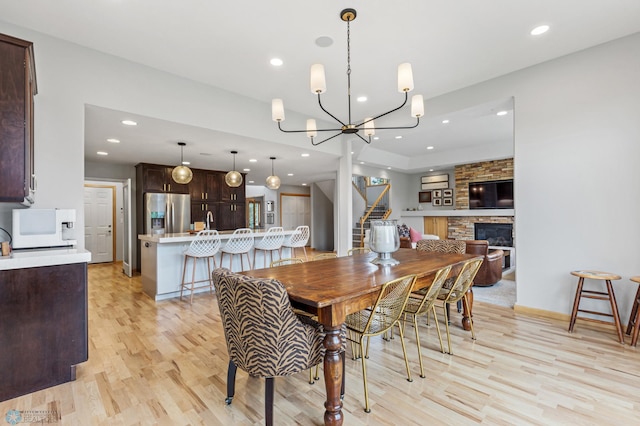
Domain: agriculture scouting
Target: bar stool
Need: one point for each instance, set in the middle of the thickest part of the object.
(240, 242)
(634, 318)
(299, 238)
(205, 246)
(600, 295)
(272, 241)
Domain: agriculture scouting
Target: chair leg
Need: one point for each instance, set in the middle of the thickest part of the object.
(404, 351)
(231, 382)
(209, 276)
(466, 303)
(184, 271)
(268, 401)
(364, 378)
(446, 324)
(306, 259)
(415, 326)
(435, 317)
(193, 278)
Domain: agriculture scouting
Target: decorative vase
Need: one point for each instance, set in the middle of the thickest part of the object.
(384, 240)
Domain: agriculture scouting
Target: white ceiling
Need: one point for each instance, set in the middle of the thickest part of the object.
(228, 44)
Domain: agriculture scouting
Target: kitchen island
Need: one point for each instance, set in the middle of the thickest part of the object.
(43, 318)
(162, 261)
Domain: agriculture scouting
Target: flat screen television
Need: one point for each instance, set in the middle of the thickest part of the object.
(497, 194)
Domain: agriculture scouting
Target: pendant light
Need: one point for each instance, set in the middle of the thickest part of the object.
(182, 174)
(273, 181)
(233, 178)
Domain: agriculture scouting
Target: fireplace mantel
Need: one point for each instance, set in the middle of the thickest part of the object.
(479, 212)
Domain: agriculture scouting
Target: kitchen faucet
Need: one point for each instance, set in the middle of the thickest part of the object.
(208, 217)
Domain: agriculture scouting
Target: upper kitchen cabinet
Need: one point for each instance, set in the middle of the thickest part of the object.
(157, 178)
(205, 185)
(17, 89)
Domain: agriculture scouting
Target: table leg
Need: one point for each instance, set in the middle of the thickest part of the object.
(467, 316)
(333, 376)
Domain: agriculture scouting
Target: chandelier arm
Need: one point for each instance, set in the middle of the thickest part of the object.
(402, 127)
(304, 131)
(406, 96)
(367, 141)
(323, 141)
(331, 115)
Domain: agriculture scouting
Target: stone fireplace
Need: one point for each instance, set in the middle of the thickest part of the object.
(498, 234)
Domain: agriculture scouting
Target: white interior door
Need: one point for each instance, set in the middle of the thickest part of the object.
(98, 221)
(295, 210)
(126, 240)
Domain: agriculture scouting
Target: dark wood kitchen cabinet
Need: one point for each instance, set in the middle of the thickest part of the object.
(157, 178)
(43, 327)
(17, 89)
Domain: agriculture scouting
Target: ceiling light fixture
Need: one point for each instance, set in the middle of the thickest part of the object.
(318, 86)
(129, 123)
(181, 174)
(501, 113)
(540, 30)
(233, 178)
(273, 181)
(113, 140)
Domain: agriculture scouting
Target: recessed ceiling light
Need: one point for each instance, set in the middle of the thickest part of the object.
(186, 163)
(429, 147)
(375, 138)
(276, 62)
(540, 30)
(445, 121)
(129, 123)
(430, 170)
(102, 153)
(501, 113)
(251, 181)
(112, 140)
(362, 162)
(304, 155)
(398, 137)
(253, 160)
(304, 184)
(388, 168)
(361, 99)
(246, 170)
(351, 152)
(289, 174)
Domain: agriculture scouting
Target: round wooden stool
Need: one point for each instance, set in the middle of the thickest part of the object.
(600, 295)
(634, 318)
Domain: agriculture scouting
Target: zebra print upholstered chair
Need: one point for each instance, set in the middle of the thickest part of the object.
(264, 336)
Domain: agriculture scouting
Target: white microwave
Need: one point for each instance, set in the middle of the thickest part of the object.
(39, 228)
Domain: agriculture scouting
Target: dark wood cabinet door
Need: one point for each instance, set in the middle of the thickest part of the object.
(172, 186)
(198, 186)
(226, 217)
(154, 178)
(215, 182)
(240, 217)
(17, 87)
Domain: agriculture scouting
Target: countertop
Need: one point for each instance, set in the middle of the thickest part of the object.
(186, 237)
(33, 258)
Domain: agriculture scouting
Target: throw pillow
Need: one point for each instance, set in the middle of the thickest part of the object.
(415, 235)
(403, 230)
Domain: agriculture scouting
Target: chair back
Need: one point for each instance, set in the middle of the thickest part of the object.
(463, 281)
(205, 244)
(240, 241)
(442, 246)
(299, 237)
(389, 305)
(423, 306)
(264, 336)
(272, 240)
(325, 256)
(286, 261)
(480, 247)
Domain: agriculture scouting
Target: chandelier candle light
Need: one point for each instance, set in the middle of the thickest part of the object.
(384, 240)
(318, 86)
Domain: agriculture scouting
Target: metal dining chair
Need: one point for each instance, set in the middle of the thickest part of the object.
(378, 319)
(240, 242)
(322, 256)
(272, 241)
(286, 261)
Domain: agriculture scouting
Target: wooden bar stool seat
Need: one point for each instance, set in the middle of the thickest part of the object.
(599, 295)
(634, 318)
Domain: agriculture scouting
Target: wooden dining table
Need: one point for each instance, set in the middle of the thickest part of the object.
(334, 288)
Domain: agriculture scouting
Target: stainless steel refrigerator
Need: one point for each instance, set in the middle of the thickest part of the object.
(166, 213)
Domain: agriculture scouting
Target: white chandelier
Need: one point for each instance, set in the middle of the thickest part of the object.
(318, 86)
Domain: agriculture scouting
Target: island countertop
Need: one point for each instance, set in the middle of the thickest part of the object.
(33, 258)
(186, 237)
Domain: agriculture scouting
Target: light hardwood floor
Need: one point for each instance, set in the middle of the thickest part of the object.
(165, 363)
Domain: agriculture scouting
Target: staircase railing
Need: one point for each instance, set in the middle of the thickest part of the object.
(358, 189)
(383, 199)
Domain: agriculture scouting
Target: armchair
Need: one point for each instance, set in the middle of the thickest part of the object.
(490, 271)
